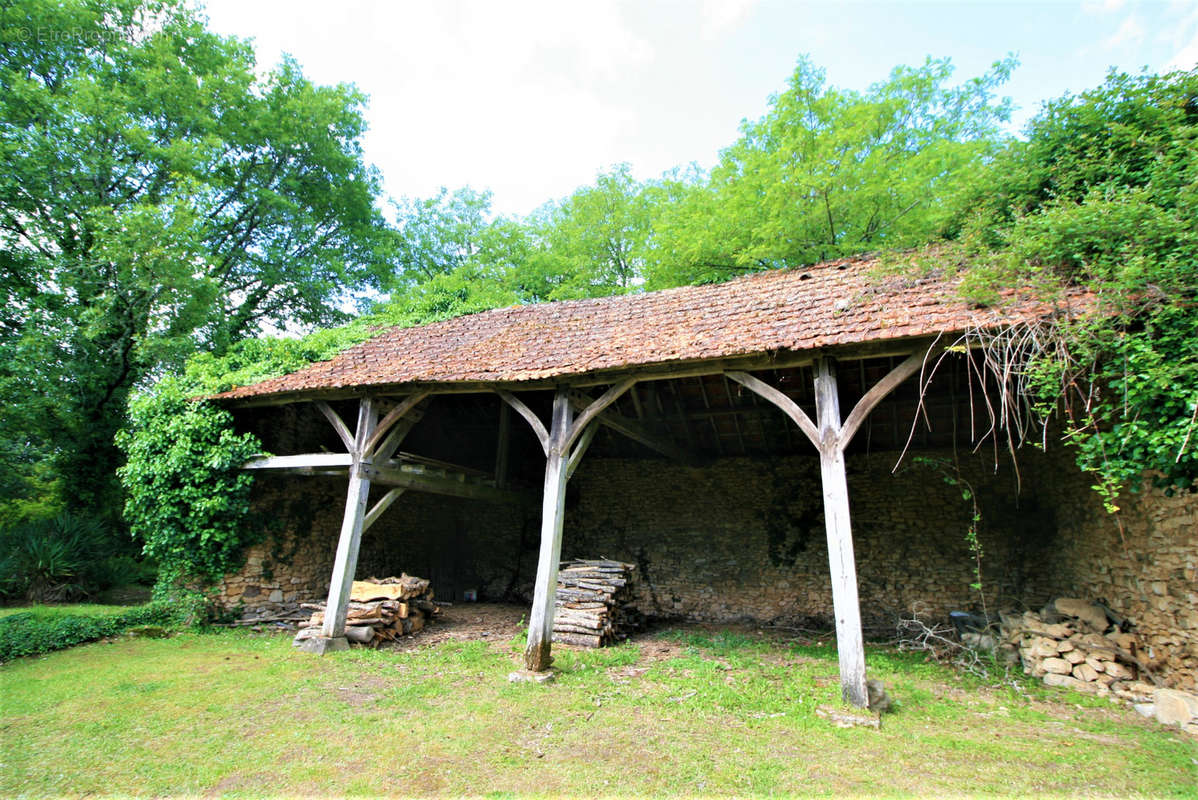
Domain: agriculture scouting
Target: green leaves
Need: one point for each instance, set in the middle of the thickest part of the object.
(830, 172)
(159, 197)
(1104, 194)
(187, 496)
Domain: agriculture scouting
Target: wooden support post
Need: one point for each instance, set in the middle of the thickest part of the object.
(831, 437)
(850, 643)
(540, 626)
(332, 633)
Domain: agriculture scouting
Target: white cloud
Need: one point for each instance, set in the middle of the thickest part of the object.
(718, 16)
(1182, 38)
(1130, 32)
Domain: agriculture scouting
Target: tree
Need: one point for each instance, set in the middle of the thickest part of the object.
(158, 197)
(439, 234)
(1104, 194)
(829, 172)
(593, 243)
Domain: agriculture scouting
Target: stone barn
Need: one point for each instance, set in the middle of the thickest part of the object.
(785, 447)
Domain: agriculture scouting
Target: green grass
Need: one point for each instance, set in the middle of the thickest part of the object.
(54, 611)
(237, 715)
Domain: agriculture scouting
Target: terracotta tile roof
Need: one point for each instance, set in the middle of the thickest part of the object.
(832, 304)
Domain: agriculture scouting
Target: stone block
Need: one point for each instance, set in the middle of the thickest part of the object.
(1118, 671)
(1068, 681)
(1058, 666)
(1084, 672)
(1175, 707)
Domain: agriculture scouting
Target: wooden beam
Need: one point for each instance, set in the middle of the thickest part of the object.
(537, 656)
(304, 461)
(399, 431)
(635, 431)
(444, 483)
(533, 420)
(850, 644)
(580, 448)
(788, 406)
(647, 372)
(381, 506)
(346, 561)
(406, 405)
(593, 410)
(879, 390)
(338, 424)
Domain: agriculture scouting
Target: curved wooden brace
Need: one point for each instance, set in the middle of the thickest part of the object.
(878, 392)
(788, 406)
(338, 424)
(384, 426)
(594, 410)
(533, 420)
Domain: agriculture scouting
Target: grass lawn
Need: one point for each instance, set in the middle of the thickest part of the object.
(681, 712)
(77, 610)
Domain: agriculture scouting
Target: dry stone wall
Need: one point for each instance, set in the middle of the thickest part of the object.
(743, 539)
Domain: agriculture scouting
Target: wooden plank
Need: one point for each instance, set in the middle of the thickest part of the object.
(396, 414)
(537, 656)
(380, 507)
(635, 431)
(850, 644)
(338, 424)
(304, 461)
(533, 420)
(913, 363)
(788, 406)
(346, 560)
(593, 410)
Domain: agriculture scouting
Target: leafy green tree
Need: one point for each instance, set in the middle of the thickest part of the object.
(439, 234)
(1104, 194)
(829, 172)
(157, 197)
(592, 243)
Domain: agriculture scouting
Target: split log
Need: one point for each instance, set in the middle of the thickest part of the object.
(593, 602)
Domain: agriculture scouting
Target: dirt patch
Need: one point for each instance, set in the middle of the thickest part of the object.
(496, 622)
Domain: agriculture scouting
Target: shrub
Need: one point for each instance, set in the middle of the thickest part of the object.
(35, 632)
(51, 560)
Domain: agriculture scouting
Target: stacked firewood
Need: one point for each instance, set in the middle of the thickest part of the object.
(380, 610)
(594, 604)
(1075, 643)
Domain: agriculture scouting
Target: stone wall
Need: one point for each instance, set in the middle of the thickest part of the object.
(459, 544)
(744, 539)
(1143, 563)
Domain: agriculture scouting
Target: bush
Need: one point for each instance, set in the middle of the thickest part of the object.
(31, 633)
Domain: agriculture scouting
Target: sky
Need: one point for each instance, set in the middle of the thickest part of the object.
(531, 100)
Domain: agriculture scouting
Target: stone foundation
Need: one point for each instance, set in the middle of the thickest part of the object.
(743, 539)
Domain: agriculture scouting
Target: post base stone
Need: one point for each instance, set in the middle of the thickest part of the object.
(321, 645)
(529, 676)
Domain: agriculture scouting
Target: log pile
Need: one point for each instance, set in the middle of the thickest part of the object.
(594, 606)
(380, 611)
(1075, 643)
